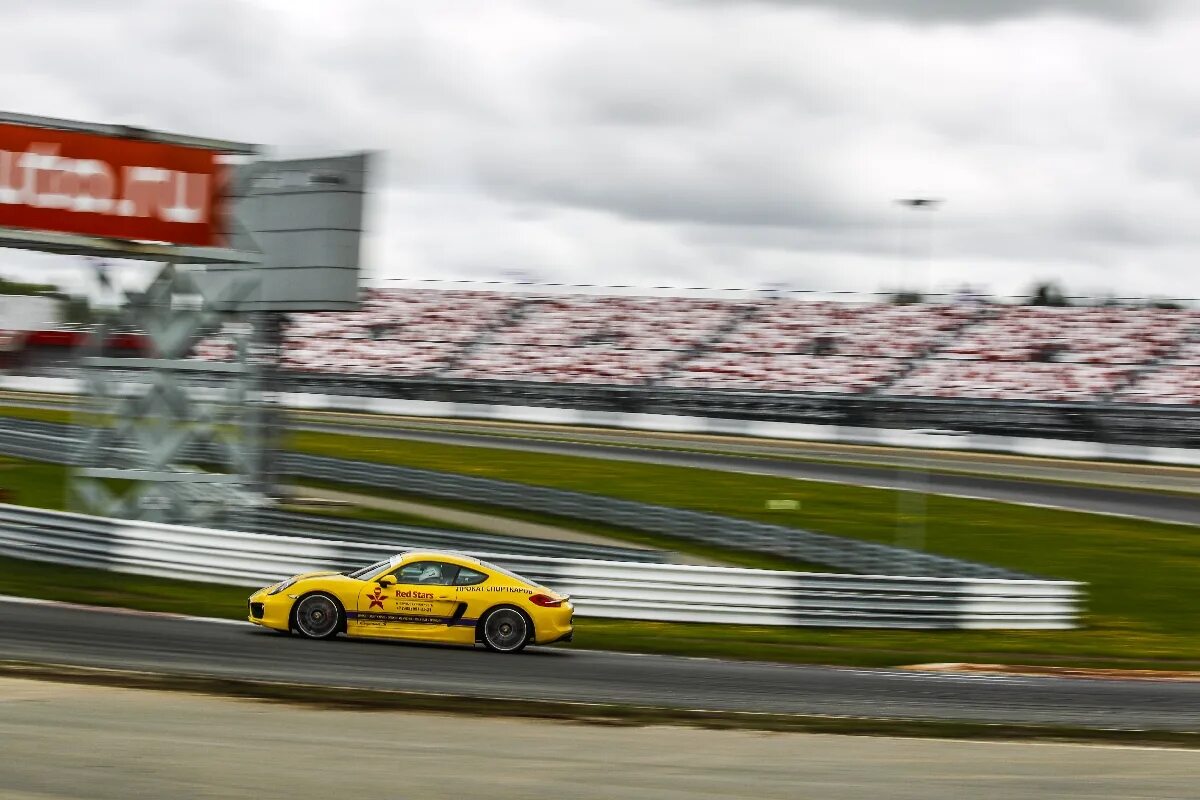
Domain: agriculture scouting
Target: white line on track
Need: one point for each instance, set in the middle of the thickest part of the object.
(962, 496)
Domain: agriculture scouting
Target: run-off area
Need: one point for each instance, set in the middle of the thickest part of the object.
(67, 741)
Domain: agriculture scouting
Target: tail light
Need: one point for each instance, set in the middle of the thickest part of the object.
(545, 601)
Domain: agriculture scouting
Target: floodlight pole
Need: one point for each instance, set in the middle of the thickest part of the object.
(929, 205)
(273, 327)
(912, 487)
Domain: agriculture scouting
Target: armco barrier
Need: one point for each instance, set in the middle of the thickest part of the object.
(405, 536)
(615, 589)
(51, 442)
(839, 552)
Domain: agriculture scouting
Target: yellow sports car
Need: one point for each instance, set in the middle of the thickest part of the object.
(426, 595)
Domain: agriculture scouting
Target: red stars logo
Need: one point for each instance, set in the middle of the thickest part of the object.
(376, 599)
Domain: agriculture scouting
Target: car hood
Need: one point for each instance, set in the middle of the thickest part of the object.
(306, 575)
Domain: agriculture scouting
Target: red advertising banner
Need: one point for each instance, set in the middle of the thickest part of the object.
(103, 186)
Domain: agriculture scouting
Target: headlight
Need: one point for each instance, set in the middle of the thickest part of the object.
(281, 586)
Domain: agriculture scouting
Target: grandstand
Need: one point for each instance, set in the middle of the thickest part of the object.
(395, 334)
(1100, 373)
(967, 351)
(613, 340)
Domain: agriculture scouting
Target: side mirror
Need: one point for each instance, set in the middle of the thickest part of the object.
(386, 581)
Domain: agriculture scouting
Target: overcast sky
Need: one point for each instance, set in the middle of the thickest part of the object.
(683, 142)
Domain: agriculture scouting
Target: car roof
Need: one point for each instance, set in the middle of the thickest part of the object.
(453, 555)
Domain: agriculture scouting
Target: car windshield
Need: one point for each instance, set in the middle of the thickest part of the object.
(366, 573)
(511, 574)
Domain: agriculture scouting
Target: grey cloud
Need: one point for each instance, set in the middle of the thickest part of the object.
(640, 141)
(980, 10)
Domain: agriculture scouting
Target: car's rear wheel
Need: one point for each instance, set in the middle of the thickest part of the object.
(505, 630)
(317, 616)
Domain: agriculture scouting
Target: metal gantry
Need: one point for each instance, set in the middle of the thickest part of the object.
(141, 415)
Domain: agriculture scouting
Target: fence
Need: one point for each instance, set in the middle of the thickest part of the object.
(660, 592)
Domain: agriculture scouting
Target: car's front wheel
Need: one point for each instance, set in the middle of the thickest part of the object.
(505, 630)
(317, 616)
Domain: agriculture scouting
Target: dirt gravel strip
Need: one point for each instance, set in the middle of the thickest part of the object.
(352, 698)
(1057, 672)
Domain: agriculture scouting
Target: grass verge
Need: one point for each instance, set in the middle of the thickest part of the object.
(366, 424)
(723, 555)
(45, 581)
(362, 514)
(32, 483)
(41, 485)
(38, 414)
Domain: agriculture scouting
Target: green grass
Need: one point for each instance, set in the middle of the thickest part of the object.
(95, 587)
(725, 555)
(37, 414)
(32, 483)
(844, 458)
(364, 514)
(41, 485)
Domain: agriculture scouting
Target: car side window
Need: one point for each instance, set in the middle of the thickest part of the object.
(428, 573)
(469, 577)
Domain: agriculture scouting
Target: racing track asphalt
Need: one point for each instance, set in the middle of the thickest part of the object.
(158, 644)
(1157, 506)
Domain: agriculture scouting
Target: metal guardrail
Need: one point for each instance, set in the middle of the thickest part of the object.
(34, 442)
(819, 548)
(405, 536)
(838, 552)
(600, 588)
(44, 441)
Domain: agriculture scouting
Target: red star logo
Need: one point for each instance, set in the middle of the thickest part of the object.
(376, 599)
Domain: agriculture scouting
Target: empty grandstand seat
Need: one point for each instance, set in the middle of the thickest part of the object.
(1010, 380)
(395, 333)
(617, 340)
(1169, 385)
(925, 350)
